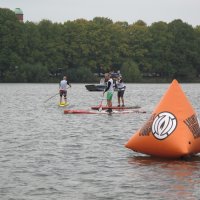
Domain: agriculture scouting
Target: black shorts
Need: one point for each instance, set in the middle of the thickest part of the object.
(120, 93)
(63, 93)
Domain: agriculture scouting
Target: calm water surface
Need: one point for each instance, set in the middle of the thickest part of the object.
(47, 155)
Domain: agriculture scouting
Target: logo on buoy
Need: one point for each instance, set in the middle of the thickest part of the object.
(163, 125)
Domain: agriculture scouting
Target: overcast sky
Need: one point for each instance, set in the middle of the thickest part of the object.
(118, 10)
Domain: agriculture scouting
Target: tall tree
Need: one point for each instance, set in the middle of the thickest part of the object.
(139, 41)
(160, 49)
(183, 49)
(11, 41)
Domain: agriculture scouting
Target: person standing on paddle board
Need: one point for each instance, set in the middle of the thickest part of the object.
(121, 89)
(109, 89)
(63, 89)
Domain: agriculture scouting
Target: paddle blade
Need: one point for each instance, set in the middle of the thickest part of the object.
(100, 108)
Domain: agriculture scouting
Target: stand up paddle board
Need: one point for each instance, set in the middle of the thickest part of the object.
(102, 112)
(116, 107)
(62, 104)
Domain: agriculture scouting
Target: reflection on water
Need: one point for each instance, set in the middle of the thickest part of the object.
(46, 155)
(177, 179)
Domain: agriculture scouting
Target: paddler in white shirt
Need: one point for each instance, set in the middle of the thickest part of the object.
(63, 89)
(121, 89)
(109, 89)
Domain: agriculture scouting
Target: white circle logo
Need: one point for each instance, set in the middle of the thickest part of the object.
(163, 125)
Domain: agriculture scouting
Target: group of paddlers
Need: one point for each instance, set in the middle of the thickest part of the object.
(111, 84)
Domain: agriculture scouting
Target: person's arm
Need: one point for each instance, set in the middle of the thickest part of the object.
(116, 84)
(123, 83)
(108, 86)
(69, 84)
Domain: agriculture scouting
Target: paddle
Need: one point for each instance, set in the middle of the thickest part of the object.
(100, 105)
(54, 95)
(51, 97)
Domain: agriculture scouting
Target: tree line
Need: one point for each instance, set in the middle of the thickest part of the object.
(45, 51)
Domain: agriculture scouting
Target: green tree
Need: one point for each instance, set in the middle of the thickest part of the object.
(11, 41)
(81, 74)
(33, 52)
(160, 50)
(183, 50)
(34, 72)
(139, 42)
(196, 53)
(51, 45)
(45, 51)
(130, 71)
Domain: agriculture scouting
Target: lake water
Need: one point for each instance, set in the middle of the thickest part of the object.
(47, 155)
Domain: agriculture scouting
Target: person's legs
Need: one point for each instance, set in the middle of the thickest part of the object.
(109, 101)
(108, 104)
(122, 101)
(60, 96)
(122, 97)
(118, 98)
(65, 97)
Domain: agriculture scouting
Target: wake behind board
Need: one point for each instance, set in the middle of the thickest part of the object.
(62, 104)
(102, 112)
(116, 107)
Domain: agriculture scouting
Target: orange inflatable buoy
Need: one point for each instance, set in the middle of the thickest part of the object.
(172, 131)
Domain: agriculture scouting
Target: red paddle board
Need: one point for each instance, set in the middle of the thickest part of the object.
(102, 112)
(116, 107)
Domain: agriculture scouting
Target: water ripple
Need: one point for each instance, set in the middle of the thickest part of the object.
(45, 154)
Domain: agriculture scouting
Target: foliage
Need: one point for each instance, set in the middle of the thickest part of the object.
(45, 51)
(27, 73)
(81, 74)
(130, 71)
